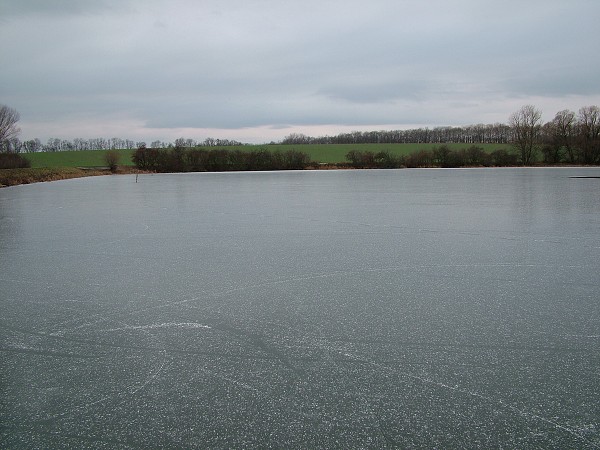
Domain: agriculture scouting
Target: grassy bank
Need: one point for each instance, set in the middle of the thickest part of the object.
(336, 153)
(13, 177)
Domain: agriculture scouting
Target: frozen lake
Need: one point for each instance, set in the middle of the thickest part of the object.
(342, 309)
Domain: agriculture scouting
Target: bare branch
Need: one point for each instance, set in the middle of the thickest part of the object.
(8, 125)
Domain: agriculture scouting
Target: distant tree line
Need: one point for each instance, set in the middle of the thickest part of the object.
(182, 159)
(14, 145)
(568, 138)
(497, 133)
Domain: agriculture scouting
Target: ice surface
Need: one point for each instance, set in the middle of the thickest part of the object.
(411, 308)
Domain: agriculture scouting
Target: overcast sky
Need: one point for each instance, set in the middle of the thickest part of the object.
(258, 70)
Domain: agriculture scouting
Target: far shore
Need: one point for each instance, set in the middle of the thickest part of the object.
(15, 177)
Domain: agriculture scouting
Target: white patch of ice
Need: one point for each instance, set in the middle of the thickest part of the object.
(185, 325)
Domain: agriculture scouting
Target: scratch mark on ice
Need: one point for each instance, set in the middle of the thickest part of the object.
(500, 402)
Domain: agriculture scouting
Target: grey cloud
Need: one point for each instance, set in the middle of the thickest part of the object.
(230, 63)
(364, 92)
(550, 83)
(57, 7)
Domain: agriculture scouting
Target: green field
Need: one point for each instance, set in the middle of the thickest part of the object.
(336, 153)
(81, 158)
(323, 153)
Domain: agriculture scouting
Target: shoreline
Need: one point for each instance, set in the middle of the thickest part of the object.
(17, 177)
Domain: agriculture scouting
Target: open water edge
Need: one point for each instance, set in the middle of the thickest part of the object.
(346, 309)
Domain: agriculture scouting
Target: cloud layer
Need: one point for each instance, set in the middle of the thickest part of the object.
(256, 71)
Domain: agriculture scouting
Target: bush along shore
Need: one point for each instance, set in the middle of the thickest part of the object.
(442, 156)
(221, 160)
(180, 159)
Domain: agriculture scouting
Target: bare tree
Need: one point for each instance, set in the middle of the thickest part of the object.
(32, 146)
(526, 125)
(8, 126)
(116, 143)
(562, 130)
(589, 134)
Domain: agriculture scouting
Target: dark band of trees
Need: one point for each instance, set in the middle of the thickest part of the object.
(180, 159)
(441, 156)
(497, 133)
